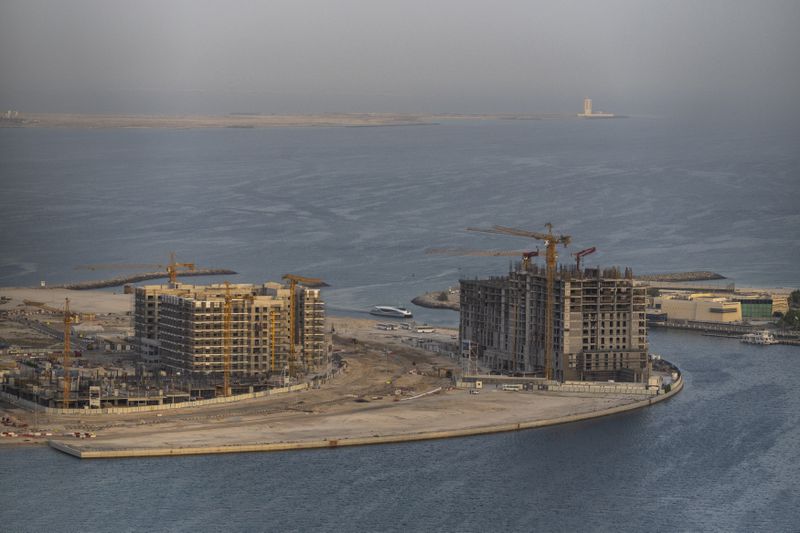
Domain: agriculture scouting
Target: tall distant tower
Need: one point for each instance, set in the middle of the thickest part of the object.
(588, 113)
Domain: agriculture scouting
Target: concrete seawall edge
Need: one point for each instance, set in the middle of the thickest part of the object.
(356, 441)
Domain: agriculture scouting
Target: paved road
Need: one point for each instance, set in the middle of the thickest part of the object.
(77, 343)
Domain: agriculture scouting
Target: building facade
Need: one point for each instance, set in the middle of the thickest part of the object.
(698, 307)
(599, 324)
(182, 328)
(762, 306)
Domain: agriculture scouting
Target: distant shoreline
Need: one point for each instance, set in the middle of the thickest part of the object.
(449, 299)
(142, 276)
(252, 121)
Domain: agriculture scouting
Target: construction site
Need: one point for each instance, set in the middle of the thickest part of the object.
(562, 323)
(177, 368)
(178, 343)
(184, 343)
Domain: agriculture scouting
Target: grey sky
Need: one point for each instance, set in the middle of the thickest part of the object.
(631, 56)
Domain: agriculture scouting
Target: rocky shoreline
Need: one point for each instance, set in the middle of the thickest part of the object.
(682, 276)
(449, 298)
(144, 276)
(433, 300)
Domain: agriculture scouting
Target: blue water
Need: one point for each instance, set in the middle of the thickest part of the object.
(721, 456)
(358, 207)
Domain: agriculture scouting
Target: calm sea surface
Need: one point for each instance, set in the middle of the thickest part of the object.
(359, 207)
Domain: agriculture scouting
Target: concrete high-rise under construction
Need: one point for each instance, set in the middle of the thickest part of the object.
(599, 323)
(182, 328)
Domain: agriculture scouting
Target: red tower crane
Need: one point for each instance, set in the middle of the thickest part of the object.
(583, 253)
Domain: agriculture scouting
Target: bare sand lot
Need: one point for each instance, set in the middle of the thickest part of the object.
(341, 419)
(79, 301)
(29, 306)
(359, 405)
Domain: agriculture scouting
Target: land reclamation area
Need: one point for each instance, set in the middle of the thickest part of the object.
(388, 390)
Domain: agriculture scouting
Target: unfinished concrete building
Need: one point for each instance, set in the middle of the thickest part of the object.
(599, 323)
(181, 327)
(310, 327)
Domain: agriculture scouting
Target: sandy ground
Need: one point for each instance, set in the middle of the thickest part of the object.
(79, 301)
(331, 412)
(55, 120)
(344, 419)
(111, 308)
(64, 120)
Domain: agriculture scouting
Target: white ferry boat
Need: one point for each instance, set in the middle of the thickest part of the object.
(395, 312)
(762, 337)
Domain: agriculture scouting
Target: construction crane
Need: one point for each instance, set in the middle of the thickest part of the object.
(67, 334)
(551, 241)
(227, 340)
(526, 256)
(583, 253)
(294, 280)
(172, 268)
(273, 318)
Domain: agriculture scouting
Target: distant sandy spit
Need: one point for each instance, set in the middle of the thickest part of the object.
(57, 120)
(80, 301)
(65, 120)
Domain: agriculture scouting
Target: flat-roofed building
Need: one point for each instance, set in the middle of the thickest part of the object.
(698, 307)
(762, 306)
(182, 327)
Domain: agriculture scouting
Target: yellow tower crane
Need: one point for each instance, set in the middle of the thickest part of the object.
(526, 255)
(172, 268)
(273, 319)
(294, 280)
(551, 241)
(67, 333)
(227, 340)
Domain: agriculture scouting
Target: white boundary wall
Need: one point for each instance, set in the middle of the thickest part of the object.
(148, 408)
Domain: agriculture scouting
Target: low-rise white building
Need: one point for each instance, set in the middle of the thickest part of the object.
(698, 307)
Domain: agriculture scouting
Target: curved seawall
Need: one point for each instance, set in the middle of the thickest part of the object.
(86, 452)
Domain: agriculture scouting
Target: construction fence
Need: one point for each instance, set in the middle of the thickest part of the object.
(149, 408)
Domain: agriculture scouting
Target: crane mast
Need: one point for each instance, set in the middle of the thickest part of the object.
(294, 280)
(67, 333)
(551, 242)
(552, 257)
(173, 266)
(227, 341)
(272, 319)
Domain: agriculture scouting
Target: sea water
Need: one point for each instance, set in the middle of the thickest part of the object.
(359, 207)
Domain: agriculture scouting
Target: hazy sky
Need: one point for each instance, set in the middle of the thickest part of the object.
(631, 56)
